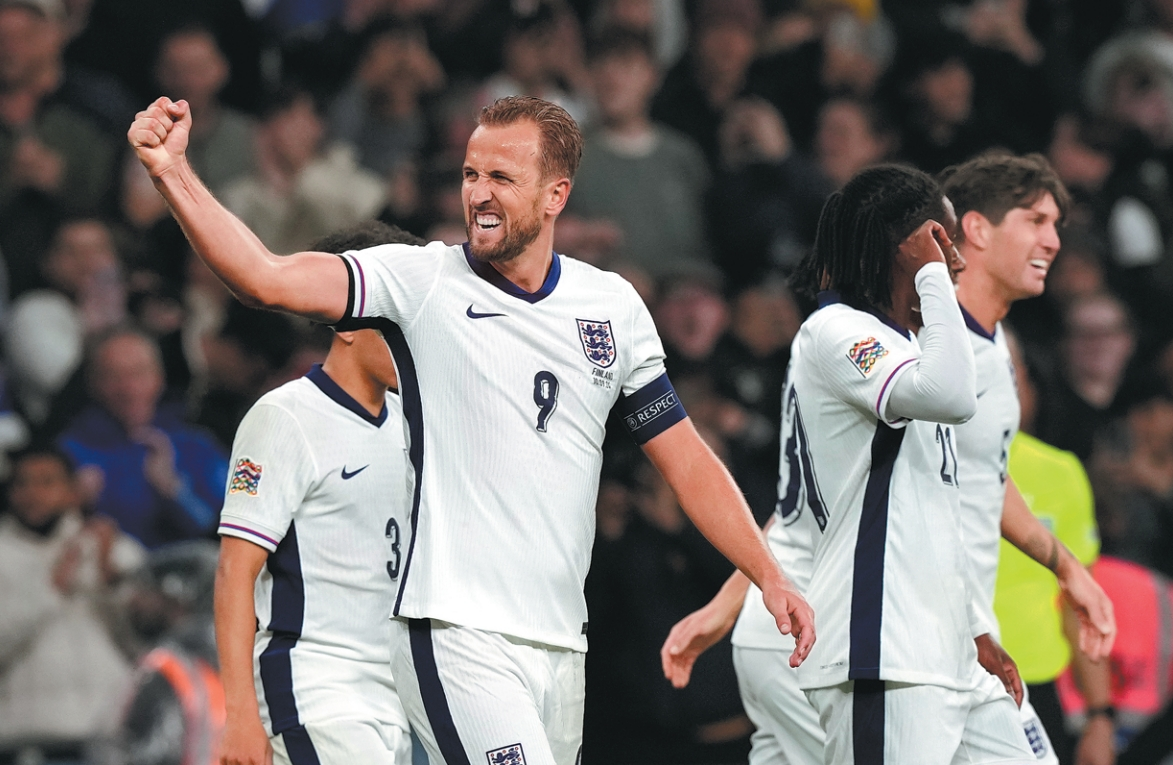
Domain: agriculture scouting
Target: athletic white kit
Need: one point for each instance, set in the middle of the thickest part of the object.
(506, 396)
(983, 450)
(322, 485)
(890, 581)
(787, 727)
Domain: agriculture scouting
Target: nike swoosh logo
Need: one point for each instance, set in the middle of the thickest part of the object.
(474, 315)
(347, 476)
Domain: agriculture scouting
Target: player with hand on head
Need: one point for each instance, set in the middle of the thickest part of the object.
(886, 552)
(510, 357)
(1009, 209)
(312, 543)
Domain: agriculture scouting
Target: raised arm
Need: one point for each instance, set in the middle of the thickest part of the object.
(711, 499)
(310, 284)
(1097, 622)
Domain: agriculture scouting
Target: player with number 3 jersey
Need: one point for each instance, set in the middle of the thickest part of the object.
(313, 544)
(510, 358)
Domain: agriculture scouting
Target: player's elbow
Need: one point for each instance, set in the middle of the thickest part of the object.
(958, 406)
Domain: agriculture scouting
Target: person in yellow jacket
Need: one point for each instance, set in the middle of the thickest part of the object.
(1037, 626)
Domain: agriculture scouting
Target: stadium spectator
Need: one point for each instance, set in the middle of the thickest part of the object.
(657, 571)
(1134, 483)
(691, 316)
(764, 204)
(158, 478)
(46, 332)
(191, 65)
(1098, 342)
(542, 56)
(380, 111)
(174, 711)
(848, 52)
(60, 667)
(1035, 620)
(697, 91)
(1142, 684)
(303, 188)
(47, 146)
(646, 178)
(749, 367)
(932, 86)
(663, 21)
(850, 135)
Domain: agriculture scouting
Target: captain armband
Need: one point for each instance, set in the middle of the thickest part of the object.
(651, 410)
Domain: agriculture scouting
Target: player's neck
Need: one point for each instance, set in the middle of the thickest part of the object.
(350, 377)
(981, 296)
(529, 269)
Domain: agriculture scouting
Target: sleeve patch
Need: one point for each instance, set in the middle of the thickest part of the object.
(865, 354)
(651, 410)
(246, 477)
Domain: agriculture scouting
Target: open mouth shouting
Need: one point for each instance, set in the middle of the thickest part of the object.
(486, 221)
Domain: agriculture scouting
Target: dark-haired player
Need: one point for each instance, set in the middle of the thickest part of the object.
(1009, 209)
(510, 358)
(871, 448)
(311, 532)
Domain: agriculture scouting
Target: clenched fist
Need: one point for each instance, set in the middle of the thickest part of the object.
(159, 135)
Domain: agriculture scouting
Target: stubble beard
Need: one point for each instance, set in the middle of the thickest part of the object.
(517, 238)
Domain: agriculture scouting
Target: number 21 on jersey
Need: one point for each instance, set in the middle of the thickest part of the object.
(948, 455)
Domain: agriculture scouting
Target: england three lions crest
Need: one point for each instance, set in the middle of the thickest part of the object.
(597, 342)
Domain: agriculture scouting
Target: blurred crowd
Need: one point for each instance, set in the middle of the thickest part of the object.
(715, 130)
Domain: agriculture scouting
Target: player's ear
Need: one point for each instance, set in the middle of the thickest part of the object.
(346, 337)
(557, 193)
(976, 229)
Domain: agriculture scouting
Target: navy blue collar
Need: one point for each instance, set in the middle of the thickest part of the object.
(494, 277)
(830, 297)
(973, 325)
(318, 377)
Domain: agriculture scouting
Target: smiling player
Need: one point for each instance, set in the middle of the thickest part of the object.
(510, 358)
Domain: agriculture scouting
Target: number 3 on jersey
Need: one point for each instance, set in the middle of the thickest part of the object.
(545, 396)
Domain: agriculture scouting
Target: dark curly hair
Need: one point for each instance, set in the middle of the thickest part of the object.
(859, 230)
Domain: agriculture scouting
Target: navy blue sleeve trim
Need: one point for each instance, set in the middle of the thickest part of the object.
(341, 326)
(651, 410)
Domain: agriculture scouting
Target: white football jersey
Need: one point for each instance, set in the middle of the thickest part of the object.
(790, 538)
(983, 446)
(506, 396)
(322, 485)
(888, 586)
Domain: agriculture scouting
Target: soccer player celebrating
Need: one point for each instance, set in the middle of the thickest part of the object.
(510, 358)
(786, 723)
(870, 471)
(316, 505)
(1009, 208)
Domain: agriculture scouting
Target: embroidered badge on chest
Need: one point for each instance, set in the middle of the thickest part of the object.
(507, 755)
(597, 342)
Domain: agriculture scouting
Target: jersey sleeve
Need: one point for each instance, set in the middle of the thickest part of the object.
(1076, 524)
(270, 473)
(647, 402)
(860, 360)
(390, 281)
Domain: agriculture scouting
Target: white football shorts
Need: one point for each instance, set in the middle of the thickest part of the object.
(788, 731)
(482, 698)
(343, 742)
(870, 722)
